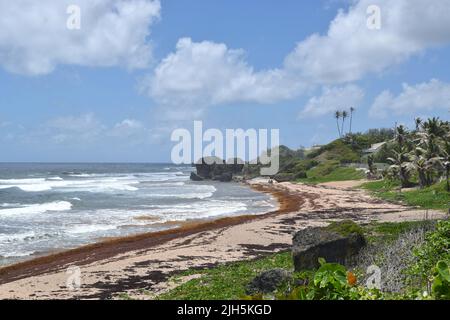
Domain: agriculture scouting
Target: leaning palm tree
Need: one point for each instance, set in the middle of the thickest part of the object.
(344, 116)
(337, 115)
(351, 118)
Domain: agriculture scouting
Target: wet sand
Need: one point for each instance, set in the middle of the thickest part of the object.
(141, 265)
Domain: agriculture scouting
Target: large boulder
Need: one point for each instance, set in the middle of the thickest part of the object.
(311, 244)
(196, 177)
(226, 177)
(267, 281)
(213, 168)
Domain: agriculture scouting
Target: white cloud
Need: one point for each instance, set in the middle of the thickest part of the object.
(331, 99)
(82, 128)
(350, 50)
(202, 74)
(207, 73)
(423, 97)
(34, 38)
(86, 129)
(127, 128)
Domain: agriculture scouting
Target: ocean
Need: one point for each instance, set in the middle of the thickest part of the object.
(50, 207)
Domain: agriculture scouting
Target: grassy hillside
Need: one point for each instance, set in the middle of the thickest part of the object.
(325, 164)
(434, 197)
(331, 171)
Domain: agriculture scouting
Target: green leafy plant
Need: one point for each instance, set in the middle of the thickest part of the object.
(435, 248)
(441, 282)
(331, 281)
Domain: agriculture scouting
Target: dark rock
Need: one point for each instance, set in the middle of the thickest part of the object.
(301, 175)
(267, 281)
(196, 177)
(238, 179)
(313, 243)
(226, 177)
(286, 177)
(213, 168)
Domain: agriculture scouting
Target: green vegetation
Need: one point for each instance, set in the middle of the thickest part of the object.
(331, 171)
(346, 228)
(433, 197)
(328, 163)
(435, 249)
(330, 281)
(339, 150)
(226, 282)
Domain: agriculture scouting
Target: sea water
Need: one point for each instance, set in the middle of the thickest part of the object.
(49, 207)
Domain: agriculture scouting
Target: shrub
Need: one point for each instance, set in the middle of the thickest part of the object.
(441, 281)
(435, 248)
(331, 281)
(346, 228)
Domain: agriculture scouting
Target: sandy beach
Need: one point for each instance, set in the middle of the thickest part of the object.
(142, 265)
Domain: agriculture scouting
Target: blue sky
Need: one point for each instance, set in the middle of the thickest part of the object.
(115, 89)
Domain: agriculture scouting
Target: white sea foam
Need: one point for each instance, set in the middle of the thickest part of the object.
(193, 192)
(165, 196)
(197, 210)
(6, 205)
(91, 228)
(8, 238)
(91, 185)
(15, 254)
(36, 208)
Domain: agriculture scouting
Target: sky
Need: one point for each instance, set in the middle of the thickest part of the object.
(114, 89)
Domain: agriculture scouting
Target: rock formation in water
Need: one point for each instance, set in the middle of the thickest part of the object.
(213, 168)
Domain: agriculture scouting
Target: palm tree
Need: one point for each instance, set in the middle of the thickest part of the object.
(446, 160)
(351, 118)
(401, 135)
(422, 166)
(344, 116)
(429, 140)
(418, 122)
(401, 165)
(337, 115)
(371, 165)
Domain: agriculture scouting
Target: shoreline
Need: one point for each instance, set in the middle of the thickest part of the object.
(141, 266)
(114, 246)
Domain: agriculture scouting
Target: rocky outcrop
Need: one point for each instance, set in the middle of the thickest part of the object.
(216, 169)
(313, 243)
(286, 177)
(196, 177)
(267, 281)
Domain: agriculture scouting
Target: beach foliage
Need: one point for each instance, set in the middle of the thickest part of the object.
(331, 171)
(428, 262)
(435, 248)
(226, 281)
(346, 228)
(432, 197)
